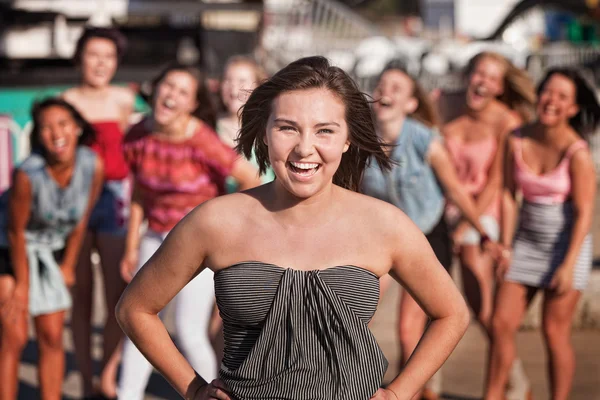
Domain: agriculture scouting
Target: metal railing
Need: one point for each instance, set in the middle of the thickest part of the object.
(299, 28)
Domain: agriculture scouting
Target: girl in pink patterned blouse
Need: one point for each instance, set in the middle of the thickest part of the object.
(178, 162)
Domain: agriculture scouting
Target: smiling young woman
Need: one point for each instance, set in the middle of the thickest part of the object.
(297, 261)
(551, 248)
(41, 233)
(108, 108)
(499, 98)
(177, 162)
(417, 184)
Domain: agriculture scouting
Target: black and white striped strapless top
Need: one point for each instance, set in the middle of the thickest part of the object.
(294, 335)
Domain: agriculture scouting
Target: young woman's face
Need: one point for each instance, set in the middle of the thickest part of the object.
(99, 61)
(238, 81)
(486, 82)
(394, 93)
(175, 97)
(59, 133)
(558, 101)
(306, 137)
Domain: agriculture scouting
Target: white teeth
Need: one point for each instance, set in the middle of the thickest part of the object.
(304, 165)
(60, 142)
(169, 103)
(551, 109)
(385, 101)
(480, 91)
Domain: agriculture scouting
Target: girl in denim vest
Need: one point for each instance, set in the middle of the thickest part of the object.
(418, 183)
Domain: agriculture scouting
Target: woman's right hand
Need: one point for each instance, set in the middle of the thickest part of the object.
(129, 263)
(503, 262)
(214, 390)
(17, 305)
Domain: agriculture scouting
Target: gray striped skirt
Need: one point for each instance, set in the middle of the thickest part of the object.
(541, 243)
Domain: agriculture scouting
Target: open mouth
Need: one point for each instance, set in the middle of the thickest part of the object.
(59, 144)
(385, 102)
(550, 109)
(169, 103)
(303, 168)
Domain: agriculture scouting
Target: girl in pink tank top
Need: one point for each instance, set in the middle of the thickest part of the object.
(499, 97)
(549, 163)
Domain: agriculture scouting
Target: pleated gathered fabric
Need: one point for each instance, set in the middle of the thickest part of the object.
(295, 335)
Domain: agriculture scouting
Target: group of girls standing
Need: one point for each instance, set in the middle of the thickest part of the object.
(503, 143)
(87, 187)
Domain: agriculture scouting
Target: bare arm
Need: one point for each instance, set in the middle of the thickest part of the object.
(444, 170)
(127, 107)
(415, 266)
(19, 206)
(508, 215)
(245, 173)
(132, 241)
(75, 238)
(493, 186)
(179, 259)
(583, 192)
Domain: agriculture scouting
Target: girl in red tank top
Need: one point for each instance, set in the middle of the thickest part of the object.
(108, 108)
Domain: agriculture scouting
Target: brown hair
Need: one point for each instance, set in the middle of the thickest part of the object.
(111, 34)
(259, 73)
(519, 91)
(206, 110)
(86, 137)
(310, 73)
(426, 112)
(588, 117)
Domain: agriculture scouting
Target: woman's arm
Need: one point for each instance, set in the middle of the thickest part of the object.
(245, 174)
(508, 211)
(416, 268)
(508, 215)
(130, 260)
(493, 186)
(75, 238)
(178, 260)
(446, 173)
(19, 210)
(583, 192)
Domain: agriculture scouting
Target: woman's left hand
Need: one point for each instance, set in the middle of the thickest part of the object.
(68, 274)
(562, 281)
(384, 394)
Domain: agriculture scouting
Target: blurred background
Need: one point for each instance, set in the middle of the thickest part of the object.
(435, 38)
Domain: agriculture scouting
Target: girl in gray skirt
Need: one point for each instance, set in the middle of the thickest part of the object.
(550, 165)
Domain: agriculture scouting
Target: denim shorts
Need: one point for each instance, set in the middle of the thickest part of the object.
(111, 212)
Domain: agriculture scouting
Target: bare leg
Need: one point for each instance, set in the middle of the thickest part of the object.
(411, 325)
(81, 314)
(13, 338)
(51, 371)
(111, 249)
(511, 302)
(478, 281)
(557, 323)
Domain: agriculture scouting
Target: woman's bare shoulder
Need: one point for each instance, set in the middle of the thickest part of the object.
(226, 213)
(123, 95)
(376, 215)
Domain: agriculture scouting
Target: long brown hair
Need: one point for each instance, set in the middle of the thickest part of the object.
(519, 91)
(426, 112)
(206, 109)
(310, 73)
(588, 118)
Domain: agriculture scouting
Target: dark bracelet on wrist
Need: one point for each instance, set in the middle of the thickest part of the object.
(484, 239)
